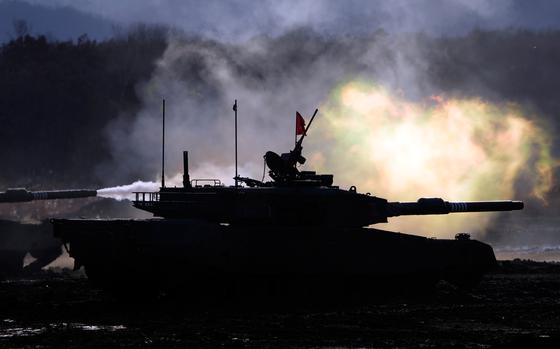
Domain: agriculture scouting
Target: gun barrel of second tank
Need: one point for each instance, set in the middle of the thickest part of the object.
(63, 194)
(426, 206)
(23, 195)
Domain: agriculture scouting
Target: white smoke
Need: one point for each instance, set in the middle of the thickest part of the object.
(204, 173)
(271, 79)
(126, 192)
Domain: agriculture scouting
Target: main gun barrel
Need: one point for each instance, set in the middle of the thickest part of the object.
(23, 195)
(425, 206)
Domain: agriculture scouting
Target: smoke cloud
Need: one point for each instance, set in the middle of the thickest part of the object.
(383, 125)
(459, 149)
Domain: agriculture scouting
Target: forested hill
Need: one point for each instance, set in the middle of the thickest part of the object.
(56, 99)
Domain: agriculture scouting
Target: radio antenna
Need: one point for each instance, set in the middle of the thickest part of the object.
(235, 110)
(163, 145)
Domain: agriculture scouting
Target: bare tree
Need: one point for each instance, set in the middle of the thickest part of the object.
(21, 28)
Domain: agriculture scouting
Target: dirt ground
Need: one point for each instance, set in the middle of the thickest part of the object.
(519, 304)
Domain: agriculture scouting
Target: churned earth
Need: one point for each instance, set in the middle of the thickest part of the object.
(518, 304)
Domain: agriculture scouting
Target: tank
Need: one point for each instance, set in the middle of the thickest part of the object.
(297, 230)
(18, 239)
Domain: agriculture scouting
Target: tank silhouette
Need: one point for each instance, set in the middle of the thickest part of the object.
(18, 239)
(297, 229)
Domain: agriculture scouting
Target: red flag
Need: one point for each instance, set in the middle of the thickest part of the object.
(300, 124)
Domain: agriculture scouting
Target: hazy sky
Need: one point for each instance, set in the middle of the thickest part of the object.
(242, 19)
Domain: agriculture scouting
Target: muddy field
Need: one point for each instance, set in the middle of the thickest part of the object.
(517, 304)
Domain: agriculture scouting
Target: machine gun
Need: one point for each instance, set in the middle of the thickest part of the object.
(283, 167)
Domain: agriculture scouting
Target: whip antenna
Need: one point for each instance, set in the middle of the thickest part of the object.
(163, 145)
(235, 110)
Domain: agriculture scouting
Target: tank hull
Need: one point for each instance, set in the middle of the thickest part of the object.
(18, 239)
(166, 253)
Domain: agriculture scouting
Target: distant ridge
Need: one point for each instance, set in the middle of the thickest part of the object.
(62, 23)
